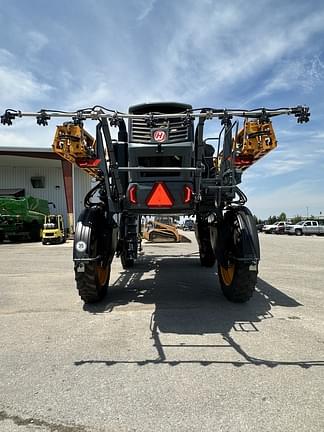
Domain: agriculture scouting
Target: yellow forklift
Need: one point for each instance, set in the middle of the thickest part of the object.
(53, 230)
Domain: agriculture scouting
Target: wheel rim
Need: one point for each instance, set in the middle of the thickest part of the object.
(227, 274)
(102, 274)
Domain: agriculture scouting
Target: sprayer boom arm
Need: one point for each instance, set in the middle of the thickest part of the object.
(97, 113)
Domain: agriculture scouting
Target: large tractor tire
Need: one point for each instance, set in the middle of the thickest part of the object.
(92, 277)
(206, 253)
(126, 261)
(92, 283)
(16, 238)
(35, 231)
(237, 281)
(207, 256)
(237, 266)
(129, 241)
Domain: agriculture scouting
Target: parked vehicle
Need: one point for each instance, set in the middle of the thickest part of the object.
(161, 232)
(53, 231)
(276, 228)
(260, 227)
(189, 225)
(307, 227)
(22, 218)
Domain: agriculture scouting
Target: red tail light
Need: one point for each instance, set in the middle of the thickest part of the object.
(132, 194)
(160, 196)
(187, 194)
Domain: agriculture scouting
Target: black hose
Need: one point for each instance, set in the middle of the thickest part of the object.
(89, 195)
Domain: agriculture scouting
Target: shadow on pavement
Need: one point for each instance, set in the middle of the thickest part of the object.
(188, 301)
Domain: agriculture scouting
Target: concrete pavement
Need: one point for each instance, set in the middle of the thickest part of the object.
(164, 351)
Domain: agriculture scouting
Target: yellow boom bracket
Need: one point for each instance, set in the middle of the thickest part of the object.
(73, 143)
(253, 141)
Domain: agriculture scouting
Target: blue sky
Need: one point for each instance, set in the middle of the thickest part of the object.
(74, 54)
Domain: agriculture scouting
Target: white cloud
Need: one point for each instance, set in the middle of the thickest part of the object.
(8, 138)
(36, 42)
(205, 51)
(6, 56)
(18, 86)
(292, 199)
(283, 161)
(304, 74)
(283, 166)
(94, 92)
(26, 133)
(146, 8)
(318, 135)
(197, 62)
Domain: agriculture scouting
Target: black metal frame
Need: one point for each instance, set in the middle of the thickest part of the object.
(223, 186)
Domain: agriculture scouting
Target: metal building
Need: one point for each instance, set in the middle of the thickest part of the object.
(42, 174)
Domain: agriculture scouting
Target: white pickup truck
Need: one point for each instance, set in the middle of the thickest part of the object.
(307, 227)
(276, 228)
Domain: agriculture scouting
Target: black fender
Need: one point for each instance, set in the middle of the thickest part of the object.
(93, 225)
(245, 246)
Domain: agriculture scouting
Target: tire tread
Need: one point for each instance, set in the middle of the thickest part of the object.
(87, 285)
(242, 286)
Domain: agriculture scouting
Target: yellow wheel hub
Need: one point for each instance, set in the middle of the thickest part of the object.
(227, 274)
(102, 274)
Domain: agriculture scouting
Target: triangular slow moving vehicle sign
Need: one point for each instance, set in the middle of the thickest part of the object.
(159, 196)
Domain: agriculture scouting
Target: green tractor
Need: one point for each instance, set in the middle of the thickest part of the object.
(22, 218)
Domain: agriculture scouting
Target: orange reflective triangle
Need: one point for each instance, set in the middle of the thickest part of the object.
(159, 196)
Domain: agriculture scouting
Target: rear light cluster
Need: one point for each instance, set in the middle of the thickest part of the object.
(133, 194)
(160, 196)
(187, 194)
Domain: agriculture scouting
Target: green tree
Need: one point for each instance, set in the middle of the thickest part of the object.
(296, 219)
(257, 220)
(272, 219)
(282, 216)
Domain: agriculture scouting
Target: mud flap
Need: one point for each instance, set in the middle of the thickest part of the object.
(248, 247)
(245, 246)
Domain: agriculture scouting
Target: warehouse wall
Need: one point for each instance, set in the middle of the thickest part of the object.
(19, 177)
(16, 172)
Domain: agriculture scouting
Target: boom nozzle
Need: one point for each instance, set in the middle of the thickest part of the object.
(8, 117)
(302, 113)
(42, 118)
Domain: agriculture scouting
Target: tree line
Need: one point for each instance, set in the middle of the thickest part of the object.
(282, 217)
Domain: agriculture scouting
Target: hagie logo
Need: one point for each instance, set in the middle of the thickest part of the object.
(159, 135)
